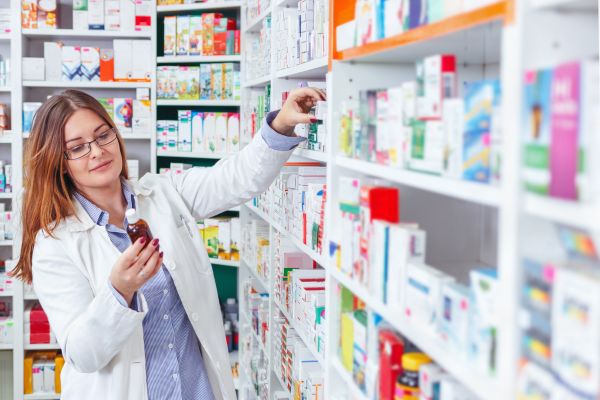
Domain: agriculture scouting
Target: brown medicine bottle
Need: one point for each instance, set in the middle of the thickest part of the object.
(137, 227)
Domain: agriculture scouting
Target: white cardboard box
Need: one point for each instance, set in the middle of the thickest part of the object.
(33, 69)
(53, 61)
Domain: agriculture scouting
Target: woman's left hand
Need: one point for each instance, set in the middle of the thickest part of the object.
(295, 110)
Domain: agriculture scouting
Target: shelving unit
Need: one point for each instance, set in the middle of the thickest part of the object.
(87, 85)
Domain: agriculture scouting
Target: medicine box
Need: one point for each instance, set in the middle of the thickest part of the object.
(71, 63)
(123, 114)
(90, 64)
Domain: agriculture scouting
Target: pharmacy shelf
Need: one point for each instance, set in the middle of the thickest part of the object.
(197, 59)
(209, 5)
(283, 310)
(452, 362)
(312, 69)
(5, 89)
(7, 137)
(6, 243)
(321, 260)
(198, 103)
(257, 82)
(448, 35)
(262, 346)
(255, 24)
(6, 346)
(5, 36)
(70, 33)
(6, 293)
(264, 285)
(227, 263)
(311, 346)
(49, 346)
(32, 296)
(6, 195)
(353, 389)
(42, 396)
(192, 154)
(88, 85)
(470, 191)
(311, 155)
(572, 213)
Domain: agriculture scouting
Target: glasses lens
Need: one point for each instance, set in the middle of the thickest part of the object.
(78, 151)
(107, 137)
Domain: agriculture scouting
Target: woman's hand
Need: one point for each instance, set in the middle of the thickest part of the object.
(295, 110)
(135, 267)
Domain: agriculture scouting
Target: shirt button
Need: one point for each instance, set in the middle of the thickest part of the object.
(195, 316)
(165, 292)
(175, 376)
(166, 316)
(170, 346)
(172, 265)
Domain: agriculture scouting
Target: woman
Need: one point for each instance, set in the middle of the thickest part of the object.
(142, 320)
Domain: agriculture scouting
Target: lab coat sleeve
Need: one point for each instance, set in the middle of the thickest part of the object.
(91, 328)
(232, 181)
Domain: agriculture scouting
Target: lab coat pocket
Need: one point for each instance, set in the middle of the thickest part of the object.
(137, 381)
(190, 247)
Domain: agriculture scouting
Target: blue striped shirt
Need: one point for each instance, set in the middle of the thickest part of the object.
(174, 365)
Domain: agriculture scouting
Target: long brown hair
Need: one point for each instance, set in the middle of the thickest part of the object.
(48, 188)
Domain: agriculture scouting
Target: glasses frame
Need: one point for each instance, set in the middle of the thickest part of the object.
(89, 144)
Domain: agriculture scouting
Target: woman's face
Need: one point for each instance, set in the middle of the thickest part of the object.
(102, 166)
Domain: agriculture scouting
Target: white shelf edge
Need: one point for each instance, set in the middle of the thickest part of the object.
(254, 24)
(198, 6)
(42, 396)
(257, 82)
(6, 243)
(311, 155)
(345, 375)
(7, 346)
(572, 213)
(215, 156)
(304, 68)
(88, 33)
(198, 59)
(7, 293)
(5, 36)
(227, 263)
(45, 346)
(199, 103)
(88, 84)
(6, 195)
(311, 347)
(457, 365)
(137, 136)
(8, 137)
(474, 192)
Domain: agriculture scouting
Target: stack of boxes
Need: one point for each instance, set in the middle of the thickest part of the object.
(42, 372)
(221, 237)
(255, 243)
(256, 105)
(258, 52)
(201, 35)
(375, 21)
(560, 323)
(127, 61)
(301, 34)
(109, 15)
(211, 132)
(298, 197)
(388, 258)
(206, 82)
(560, 125)
(37, 328)
(131, 116)
(422, 125)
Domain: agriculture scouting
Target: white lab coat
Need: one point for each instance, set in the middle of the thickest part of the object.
(101, 340)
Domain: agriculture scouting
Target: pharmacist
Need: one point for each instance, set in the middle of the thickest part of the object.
(134, 322)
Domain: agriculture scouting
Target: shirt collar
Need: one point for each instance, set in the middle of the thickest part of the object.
(99, 216)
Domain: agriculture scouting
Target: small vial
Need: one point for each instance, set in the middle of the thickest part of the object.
(137, 227)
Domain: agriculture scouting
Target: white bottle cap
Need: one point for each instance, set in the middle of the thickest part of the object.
(132, 216)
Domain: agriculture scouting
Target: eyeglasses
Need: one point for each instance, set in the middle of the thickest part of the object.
(83, 149)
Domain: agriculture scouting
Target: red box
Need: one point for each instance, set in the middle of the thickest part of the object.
(391, 348)
(39, 338)
(380, 203)
(39, 327)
